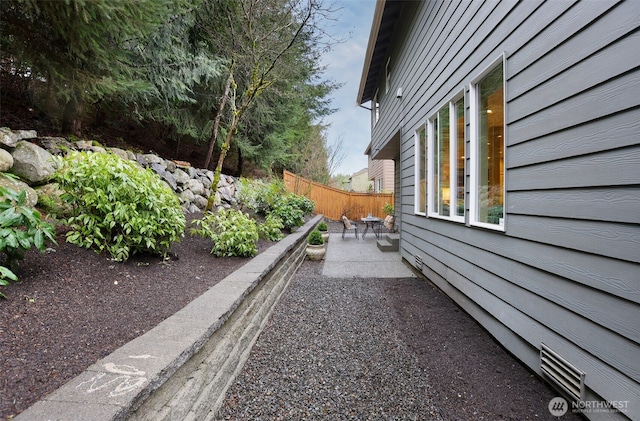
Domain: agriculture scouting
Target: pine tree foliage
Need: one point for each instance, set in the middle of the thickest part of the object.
(185, 77)
(250, 65)
(82, 49)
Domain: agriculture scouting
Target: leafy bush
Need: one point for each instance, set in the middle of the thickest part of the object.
(315, 238)
(259, 196)
(118, 206)
(254, 195)
(286, 209)
(233, 233)
(302, 203)
(388, 209)
(322, 226)
(265, 198)
(271, 228)
(21, 228)
(6, 275)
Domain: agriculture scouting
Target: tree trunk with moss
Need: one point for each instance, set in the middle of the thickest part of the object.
(223, 154)
(216, 123)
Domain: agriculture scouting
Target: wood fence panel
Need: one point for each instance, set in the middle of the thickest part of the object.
(333, 203)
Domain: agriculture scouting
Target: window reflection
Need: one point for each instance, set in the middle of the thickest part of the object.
(491, 147)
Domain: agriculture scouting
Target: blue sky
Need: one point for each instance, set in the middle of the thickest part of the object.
(350, 124)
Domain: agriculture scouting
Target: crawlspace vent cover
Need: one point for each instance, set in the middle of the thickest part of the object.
(562, 373)
(418, 262)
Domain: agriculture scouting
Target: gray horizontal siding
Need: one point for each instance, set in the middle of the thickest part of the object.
(581, 329)
(610, 383)
(618, 167)
(592, 71)
(565, 271)
(595, 103)
(537, 320)
(564, 264)
(621, 241)
(570, 39)
(622, 130)
(596, 204)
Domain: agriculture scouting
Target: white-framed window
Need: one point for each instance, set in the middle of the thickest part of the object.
(487, 106)
(375, 110)
(446, 160)
(420, 142)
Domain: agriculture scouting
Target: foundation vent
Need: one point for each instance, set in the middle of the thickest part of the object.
(418, 262)
(562, 373)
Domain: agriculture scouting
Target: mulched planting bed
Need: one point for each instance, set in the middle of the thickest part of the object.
(73, 306)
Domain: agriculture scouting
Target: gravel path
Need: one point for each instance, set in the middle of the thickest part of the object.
(330, 355)
(379, 349)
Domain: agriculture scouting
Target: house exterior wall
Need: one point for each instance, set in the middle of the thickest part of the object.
(360, 182)
(564, 269)
(381, 172)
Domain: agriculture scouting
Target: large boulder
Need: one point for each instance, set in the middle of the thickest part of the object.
(119, 152)
(19, 186)
(169, 179)
(195, 186)
(88, 146)
(186, 196)
(6, 161)
(181, 176)
(33, 163)
(50, 198)
(200, 202)
(147, 159)
(56, 145)
(11, 138)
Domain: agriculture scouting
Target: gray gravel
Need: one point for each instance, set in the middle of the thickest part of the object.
(330, 351)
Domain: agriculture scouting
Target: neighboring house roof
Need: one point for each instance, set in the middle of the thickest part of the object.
(362, 171)
(385, 18)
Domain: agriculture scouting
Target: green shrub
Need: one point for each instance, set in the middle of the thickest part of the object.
(287, 210)
(21, 228)
(302, 203)
(262, 197)
(272, 198)
(271, 228)
(315, 238)
(388, 209)
(254, 195)
(322, 226)
(233, 233)
(6, 275)
(118, 207)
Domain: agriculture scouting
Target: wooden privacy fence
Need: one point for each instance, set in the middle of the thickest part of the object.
(333, 203)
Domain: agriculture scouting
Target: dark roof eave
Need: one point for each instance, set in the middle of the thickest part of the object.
(384, 21)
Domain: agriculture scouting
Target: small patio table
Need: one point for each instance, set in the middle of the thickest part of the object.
(373, 222)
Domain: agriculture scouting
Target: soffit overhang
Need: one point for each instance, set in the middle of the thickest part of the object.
(385, 18)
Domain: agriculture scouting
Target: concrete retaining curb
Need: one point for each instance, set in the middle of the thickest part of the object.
(181, 369)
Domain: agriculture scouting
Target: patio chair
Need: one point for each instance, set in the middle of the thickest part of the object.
(348, 225)
(390, 223)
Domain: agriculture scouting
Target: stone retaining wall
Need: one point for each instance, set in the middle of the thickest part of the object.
(21, 155)
(181, 369)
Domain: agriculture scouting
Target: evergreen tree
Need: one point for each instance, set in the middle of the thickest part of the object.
(84, 50)
(185, 77)
(264, 38)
